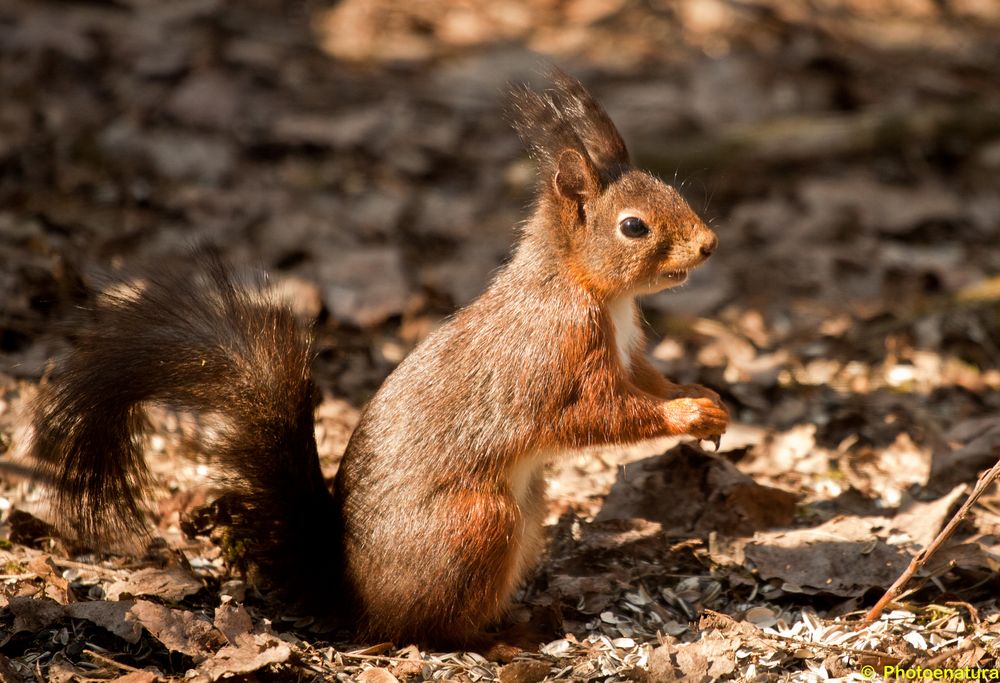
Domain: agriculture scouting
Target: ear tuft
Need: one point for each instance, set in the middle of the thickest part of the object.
(567, 117)
(540, 125)
(590, 122)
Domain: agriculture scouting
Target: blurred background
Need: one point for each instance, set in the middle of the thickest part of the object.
(846, 151)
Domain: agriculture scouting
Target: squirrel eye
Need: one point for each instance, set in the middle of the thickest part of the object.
(633, 227)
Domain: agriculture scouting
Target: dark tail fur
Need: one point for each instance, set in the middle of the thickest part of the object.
(205, 344)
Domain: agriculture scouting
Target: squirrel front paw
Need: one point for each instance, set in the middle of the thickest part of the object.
(702, 418)
(694, 391)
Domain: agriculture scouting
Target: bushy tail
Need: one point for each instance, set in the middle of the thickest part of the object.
(201, 343)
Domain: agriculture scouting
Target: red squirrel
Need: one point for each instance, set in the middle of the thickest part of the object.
(436, 511)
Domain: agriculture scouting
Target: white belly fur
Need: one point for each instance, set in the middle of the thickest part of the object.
(527, 478)
(527, 486)
(627, 332)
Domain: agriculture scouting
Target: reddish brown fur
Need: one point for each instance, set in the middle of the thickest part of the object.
(439, 498)
(529, 368)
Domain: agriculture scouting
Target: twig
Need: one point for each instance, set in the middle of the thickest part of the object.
(376, 649)
(96, 568)
(378, 658)
(921, 559)
(108, 660)
(833, 647)
(363, 655)
(933, 662)
(973, 612)
(62, 562)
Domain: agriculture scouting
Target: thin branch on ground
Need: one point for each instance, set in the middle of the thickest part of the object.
(110, 662)
(921, 559)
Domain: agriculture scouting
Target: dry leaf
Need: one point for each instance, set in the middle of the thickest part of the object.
(709, 659)
(963, 463)
(61, 670)
(56, 587)
(688, 491)
(252, 652)
(377, 675)
(137, 677)
(34, 614)
(178, 630)
(886, 472)
(846, 555)
(921, 521)
(524, 672)
(113, 616)
(842, 557)
(172, 584)
(233, 621)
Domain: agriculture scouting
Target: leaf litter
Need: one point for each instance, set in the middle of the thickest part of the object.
(850, 318)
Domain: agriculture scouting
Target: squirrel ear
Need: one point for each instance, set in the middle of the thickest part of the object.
(575, 177)
(591, 124)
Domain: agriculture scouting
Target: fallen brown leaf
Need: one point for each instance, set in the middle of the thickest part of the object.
(689, 491)
(233, 621)
(56, 587)
(251, 653)
(61, 670)
(846, 555)
(172, 584)
(524, 672)
(113, 616)
(178, 630)
(377, 675)
(33, 614)
(709, 659)
(137, 677)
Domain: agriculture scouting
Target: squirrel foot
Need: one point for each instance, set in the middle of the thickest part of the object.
(520, 638)
(694, 391)
(702, 418)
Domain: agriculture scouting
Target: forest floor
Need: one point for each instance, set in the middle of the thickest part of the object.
(846, 151)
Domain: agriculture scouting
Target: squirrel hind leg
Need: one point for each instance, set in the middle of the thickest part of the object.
(459, 582)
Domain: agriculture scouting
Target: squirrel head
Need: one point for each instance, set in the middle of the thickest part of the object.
(621, 230)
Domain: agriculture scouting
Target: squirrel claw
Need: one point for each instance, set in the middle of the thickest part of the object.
(715, 440)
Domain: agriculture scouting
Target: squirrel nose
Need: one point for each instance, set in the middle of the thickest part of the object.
(708, 247)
